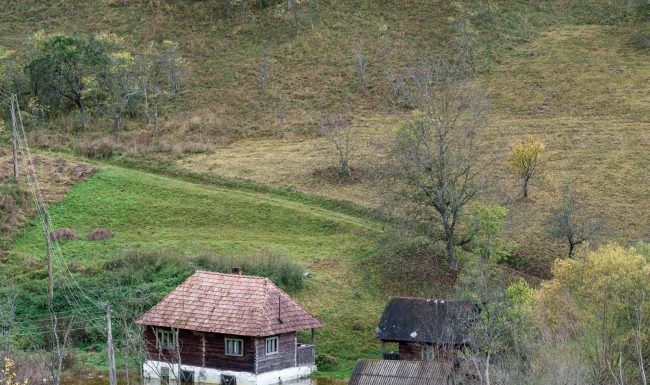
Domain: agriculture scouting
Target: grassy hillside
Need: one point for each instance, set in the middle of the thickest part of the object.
(152, 213)
(580, 89)
(565, 71)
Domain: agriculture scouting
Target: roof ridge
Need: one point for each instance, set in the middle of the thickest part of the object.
(229, 274)
(262, 305)
(427, 299)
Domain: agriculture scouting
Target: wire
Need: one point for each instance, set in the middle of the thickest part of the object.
(76, 295)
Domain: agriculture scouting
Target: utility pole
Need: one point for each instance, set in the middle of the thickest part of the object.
(14, 135)
(50, 270)
(112, 372)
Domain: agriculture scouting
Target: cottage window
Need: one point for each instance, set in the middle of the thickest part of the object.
(272, 345)
(164, 376)
(234, 347)
(165, 339)
(427, 352)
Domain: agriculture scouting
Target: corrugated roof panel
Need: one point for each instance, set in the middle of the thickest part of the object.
(393, 372)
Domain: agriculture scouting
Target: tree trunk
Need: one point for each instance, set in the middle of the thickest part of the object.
(344, 168)
(450, 249)
(525, 187)
(147, 116)
(155, 118)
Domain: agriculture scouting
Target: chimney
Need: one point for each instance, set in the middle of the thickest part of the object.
(238, 270)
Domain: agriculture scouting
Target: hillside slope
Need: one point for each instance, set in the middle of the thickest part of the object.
(153, 214)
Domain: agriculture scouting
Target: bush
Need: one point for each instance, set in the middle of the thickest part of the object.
(325, 362)
(13, 202)
(643, 12)
(276, 267)
(641, 40)
(96, 149)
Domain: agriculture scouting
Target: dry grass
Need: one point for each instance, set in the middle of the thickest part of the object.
(301, 162)
(580, 89)
(313, 71)
(55, 175)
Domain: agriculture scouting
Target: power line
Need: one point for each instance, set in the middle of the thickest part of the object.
(76, 294)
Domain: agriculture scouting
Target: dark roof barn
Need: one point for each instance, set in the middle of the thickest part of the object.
(425, 320)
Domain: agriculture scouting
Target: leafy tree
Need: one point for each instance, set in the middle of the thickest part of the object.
(602, 300)
(525, 160)
(8, 375)
(12, 77)
(434, 161)
(63, 67)
(496, 339)
(119, 81)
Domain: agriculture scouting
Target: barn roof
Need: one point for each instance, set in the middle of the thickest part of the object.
(229, 304)
(425, 320)
(394, 372)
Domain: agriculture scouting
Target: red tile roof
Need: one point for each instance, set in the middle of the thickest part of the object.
(230, 304)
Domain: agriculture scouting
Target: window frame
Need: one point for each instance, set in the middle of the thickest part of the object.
(165, 376)
(165, 339)
(427, 352)
(266, 345)
(240, 341)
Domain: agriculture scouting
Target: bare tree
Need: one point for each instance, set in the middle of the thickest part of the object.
(340, 132)
(361, 67)
(572, 221)
(59, 347)
(263, 73)
(434, 160)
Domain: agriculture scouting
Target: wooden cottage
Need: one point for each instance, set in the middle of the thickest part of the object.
(229, 329)
(425, 329)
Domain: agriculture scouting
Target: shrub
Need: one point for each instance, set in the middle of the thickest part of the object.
(64, 235)
(274, 266)
(100, 234)
(325, 362)
(13, 202)
(96, 149)
(641, 40)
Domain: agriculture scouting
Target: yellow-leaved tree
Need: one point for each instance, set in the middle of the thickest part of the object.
(602, 301)
(525, 160)
(8, 374)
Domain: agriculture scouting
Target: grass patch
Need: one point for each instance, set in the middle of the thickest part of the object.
(166, 228)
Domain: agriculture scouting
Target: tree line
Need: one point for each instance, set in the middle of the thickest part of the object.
(92, 76)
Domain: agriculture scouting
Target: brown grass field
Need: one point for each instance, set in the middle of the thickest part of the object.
(582, 90)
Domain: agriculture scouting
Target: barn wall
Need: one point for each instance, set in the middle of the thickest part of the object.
(284, 358)
(203, 349)
(409, 351)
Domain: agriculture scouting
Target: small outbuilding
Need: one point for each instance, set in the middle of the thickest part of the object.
(389, 372)
(425, 329)
(227, 329)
